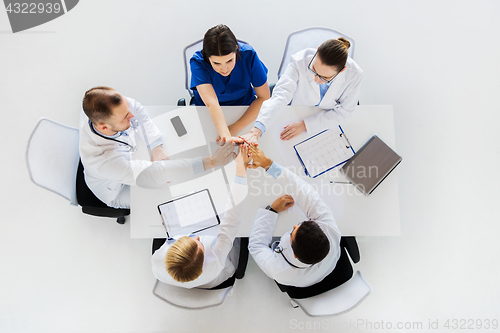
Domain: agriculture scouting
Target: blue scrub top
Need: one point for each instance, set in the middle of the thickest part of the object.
(237, 89)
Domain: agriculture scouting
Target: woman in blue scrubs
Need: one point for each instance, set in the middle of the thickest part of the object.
(227, 72)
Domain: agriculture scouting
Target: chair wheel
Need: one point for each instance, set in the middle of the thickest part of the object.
(120, 220)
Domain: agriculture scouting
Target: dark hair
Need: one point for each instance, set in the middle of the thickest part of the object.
(334, 52)
(219, 41)
(310, 244)
(98, 101)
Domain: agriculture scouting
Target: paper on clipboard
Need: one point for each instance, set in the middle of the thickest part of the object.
(214, 181)
(324, 151)
(188, 214)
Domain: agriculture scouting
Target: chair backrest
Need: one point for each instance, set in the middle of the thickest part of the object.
(190, 298)
(52, 157)
(188, 53)
(309, 38)
(336, 301)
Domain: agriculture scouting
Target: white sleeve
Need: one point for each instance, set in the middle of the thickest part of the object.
(306, 197)
(117, 167)
(258, 246)
(343, 109)
(230, 221)
(282, 95)
(162, 172)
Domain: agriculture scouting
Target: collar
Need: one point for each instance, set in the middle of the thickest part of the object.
(117, 135)
(288, 251)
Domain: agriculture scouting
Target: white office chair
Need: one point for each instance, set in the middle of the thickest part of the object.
(191, 298)
(53, 161)
(189, 51)
(52, 157)
(336, 301)
(309, 38)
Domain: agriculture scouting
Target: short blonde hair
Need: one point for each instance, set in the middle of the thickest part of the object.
(184, 260)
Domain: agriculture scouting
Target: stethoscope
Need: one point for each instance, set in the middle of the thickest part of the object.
(279, 249)
(134, 123)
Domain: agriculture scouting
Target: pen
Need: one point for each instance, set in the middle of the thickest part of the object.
(332, 182)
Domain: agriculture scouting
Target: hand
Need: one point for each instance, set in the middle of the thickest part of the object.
(158, 154)
(242, 161)
(259, 159)
(252, 137)
(224, 154)
(283, 203)
(232, 139)
(292, 130)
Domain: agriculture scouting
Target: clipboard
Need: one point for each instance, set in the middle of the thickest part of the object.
(324, 151)
(189, 214)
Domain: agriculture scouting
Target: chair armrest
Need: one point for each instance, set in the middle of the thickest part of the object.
(350, 244)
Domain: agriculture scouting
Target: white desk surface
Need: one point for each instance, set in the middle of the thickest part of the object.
(375, 215)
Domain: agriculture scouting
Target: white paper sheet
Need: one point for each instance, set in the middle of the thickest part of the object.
(189, 210)
(173, 144)
(214, 181)
(324, 151)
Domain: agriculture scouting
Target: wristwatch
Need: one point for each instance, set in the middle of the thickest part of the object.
(271, 209)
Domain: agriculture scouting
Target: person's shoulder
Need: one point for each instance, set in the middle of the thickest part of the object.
(244, 47)
(353, 66)
(304, 54)
(246, 51)
(198, 57)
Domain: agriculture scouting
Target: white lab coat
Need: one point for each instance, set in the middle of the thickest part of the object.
(108, 165)
(220, 260)
(297, 85)
(272, 263)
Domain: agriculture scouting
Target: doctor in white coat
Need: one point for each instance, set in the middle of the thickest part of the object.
(307, 254)
(327, 78)
(206, 261)
(107, 141)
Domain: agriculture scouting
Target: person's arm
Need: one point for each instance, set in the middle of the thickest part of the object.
(251, 113)
(232, 216)
(209, 97)
(260, 238)
(272, 108)
(161, 172)
(343, 109)
(305, 196)
(282, 96)
(148, 130)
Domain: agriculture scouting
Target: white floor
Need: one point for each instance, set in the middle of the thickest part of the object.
(436, 62)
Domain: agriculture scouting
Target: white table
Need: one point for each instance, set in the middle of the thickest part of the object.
(375, 215)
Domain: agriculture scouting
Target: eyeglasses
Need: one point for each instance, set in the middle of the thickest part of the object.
(322, 78)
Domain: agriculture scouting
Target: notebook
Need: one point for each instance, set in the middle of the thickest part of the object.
(189, 213)
(324, 151)
(370, 165)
